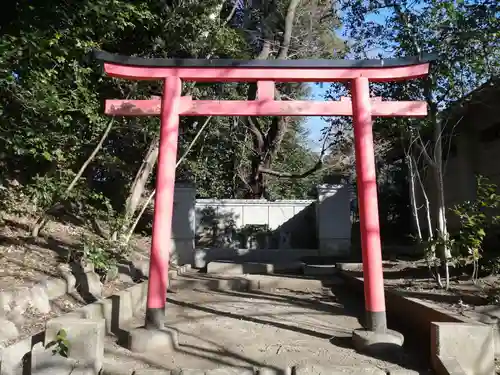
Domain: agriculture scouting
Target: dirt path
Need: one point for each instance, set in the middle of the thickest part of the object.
(277, 330)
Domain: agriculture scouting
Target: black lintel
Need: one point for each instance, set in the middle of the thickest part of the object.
(107, 57)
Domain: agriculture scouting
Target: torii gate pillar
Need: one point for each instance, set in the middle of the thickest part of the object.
(361, 107)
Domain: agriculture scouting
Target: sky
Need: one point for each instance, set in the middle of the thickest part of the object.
(316, 124)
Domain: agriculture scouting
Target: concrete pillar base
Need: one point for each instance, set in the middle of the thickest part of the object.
(142, 340)
(372, 342)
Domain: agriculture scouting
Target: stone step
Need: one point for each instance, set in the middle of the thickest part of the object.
(244, 283)
(245, 268)
(237, 370)
(320, 269)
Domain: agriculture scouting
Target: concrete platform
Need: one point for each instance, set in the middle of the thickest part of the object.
(301, 326)
(245, 268)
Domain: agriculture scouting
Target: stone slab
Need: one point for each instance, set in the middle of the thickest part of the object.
(247, 283)
(320, 270)
(55, 287)
(12, 357)
(336, 370)
(275, 371)
(5, 301)
(400, 371)
(45, 363)
(142, 340)
(187, 371)
(8, 330)
(138, 295)
(150, 371)
(202, 257)
(375, 343)
(85, 337)
(114, 367)
(448, 366)
(229, 268)
(473, 345)
(39, 297)
(230, 371)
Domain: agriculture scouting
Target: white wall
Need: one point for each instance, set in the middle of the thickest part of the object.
(332, 218)
(254, 212)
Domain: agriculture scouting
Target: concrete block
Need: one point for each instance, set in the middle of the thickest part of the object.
(142, 340)
(269, 283)
(142, 265)
(151, 371)
(274, 371)
(473, 345)
(336, 370)
(115, 310)
(400, 371)
(55, 287)
(374, 343)
(94, 310)
(113, 367)
(295, 266)
(45, 363)
(187, 371)
(138, 295)
(14, 357)
(8, 330)
(230, 371)
(320, 270)
(39, 297)
(204, 256)
(229, 268)
(5, 302)
(448, 366)
(125, 278)
(94, 284)
(122, 307)
(85, 337)
(69, 278)
(21, 300)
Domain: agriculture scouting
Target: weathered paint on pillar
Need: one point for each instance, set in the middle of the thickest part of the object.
(164, 201)
(368, 206)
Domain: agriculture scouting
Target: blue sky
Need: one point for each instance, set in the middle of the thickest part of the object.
(316, 124)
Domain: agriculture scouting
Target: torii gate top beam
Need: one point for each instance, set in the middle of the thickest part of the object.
(226, 70)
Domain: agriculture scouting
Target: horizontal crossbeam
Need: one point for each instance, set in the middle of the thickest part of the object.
(380, 74)
(191, 107)
(156, 62)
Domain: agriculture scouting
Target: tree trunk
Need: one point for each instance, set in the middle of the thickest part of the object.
(267, 145)
(413, 199)
(151, 196)
(137, 188)
(442, 229)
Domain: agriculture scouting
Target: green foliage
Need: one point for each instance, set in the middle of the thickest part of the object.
(101, 254)
(60, 346)
(475, 222)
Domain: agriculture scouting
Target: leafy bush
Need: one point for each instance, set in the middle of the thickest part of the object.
(475, 222)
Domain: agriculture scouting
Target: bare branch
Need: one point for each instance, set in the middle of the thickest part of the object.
(231, 15)
(181, 159)
(315, 168)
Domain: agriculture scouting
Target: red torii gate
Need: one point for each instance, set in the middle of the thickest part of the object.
(266, 72)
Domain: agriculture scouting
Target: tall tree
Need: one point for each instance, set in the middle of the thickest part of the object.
(462, 34)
